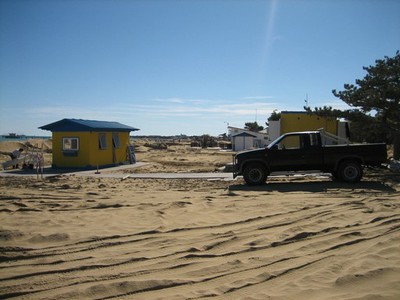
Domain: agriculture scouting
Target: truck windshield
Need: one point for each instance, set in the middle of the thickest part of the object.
(275, 142)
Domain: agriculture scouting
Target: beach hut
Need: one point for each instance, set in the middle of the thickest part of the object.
(90, 144)
(243, 141)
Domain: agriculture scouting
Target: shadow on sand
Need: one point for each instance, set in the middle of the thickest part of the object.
(47, 171)
(316, 186)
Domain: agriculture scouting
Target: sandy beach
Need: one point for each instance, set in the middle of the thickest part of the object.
(306, 237)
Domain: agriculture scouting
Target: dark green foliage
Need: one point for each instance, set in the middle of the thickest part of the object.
(253, 126)
(275, 116)
(376, 99)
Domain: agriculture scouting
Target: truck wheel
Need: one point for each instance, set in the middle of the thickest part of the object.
(255, 174)
(350, 171)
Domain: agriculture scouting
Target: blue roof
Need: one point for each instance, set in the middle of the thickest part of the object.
(87, 125)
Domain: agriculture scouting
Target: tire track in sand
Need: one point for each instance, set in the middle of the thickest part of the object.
(228, 246)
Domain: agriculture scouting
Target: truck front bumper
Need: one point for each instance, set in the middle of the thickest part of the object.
(235, 169)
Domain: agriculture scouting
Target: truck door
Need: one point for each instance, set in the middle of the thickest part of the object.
(295, 152)
(313, 154)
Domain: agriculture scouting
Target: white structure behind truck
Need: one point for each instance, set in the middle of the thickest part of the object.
(290, 121)
(243, 139)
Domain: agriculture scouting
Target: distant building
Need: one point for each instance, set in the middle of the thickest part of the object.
(292, 121)
(90, 144)
(243, 139)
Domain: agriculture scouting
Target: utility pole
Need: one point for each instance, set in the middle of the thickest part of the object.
(306, 100)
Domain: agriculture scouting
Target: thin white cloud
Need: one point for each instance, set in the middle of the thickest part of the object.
(153, 116)
(179, 100)
(258, 97)
(270, 26)
(162, 109)
(156, 114)
(72, 111)
(186, 109)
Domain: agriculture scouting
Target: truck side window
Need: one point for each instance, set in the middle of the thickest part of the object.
(314, 140)
(290, 142)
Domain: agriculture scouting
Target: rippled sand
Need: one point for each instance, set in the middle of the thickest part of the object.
(73, 237)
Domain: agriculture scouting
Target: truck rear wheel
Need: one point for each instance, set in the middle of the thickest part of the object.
(255, 174)
(350, 171)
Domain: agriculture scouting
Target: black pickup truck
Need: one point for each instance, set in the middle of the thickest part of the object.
(305, 151)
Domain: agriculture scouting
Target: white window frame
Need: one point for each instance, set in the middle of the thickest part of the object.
(72, 146)
(116, 140)
(102, 141)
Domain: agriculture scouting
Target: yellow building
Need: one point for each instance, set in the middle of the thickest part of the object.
(302, 121)
(90, 144)
(294, 121)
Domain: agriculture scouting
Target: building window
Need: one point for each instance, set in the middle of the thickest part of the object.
(102, 141)
(116, 141)
(70, 144)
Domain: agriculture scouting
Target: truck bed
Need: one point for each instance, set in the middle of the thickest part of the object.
(367, 154)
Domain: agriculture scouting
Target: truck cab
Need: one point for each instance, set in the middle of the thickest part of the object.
(295, 151)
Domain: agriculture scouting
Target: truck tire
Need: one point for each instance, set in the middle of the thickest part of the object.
(350, 171)
(255, 174)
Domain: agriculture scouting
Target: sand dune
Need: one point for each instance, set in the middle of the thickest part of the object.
(44, 146)
(70, 237)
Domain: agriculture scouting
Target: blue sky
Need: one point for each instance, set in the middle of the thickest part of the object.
(183, 67)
